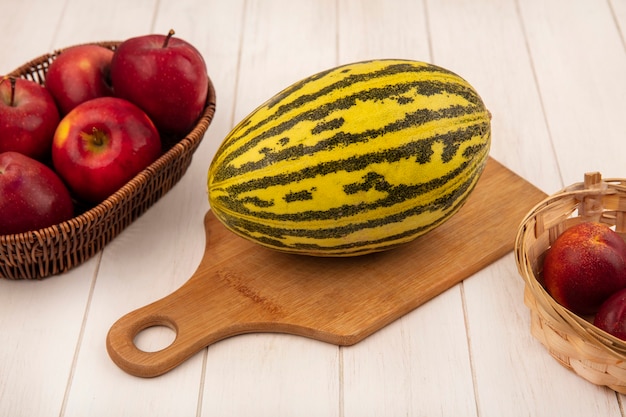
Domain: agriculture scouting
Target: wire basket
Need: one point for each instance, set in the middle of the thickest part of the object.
(52, 250)
(574, 341)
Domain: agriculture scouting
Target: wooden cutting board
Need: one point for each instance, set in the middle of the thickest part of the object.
(241, 287)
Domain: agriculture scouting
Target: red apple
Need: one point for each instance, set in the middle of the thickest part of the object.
(78, 74)
(166, 77)
(33, 196)
(584, 266)
(612, 315)
(28, 118)
(102, 144)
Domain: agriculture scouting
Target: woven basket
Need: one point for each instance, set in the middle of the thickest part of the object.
(574, 341)
(53, 250)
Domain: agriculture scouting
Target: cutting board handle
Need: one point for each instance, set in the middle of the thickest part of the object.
(124, 352)
(180, 312)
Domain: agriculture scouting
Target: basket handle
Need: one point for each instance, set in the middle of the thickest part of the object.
(592, 206)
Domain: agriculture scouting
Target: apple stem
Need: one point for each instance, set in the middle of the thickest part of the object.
(168, 37)
(12, 81)
(97, 137)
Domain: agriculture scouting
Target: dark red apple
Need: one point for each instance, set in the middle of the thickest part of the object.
(78, 74)
(584, 266)
(166, 77)
(28, 118)
(32, 195)
(612, 315)
(102, 144)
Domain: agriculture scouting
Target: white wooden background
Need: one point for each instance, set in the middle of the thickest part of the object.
(552, 72)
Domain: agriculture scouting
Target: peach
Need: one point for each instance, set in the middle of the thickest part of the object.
(612, 315)
(585, 266)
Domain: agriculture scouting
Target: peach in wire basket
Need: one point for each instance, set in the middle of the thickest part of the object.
(49, 251)
(574, 341)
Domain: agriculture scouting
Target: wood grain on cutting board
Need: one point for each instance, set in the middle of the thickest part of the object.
(241, 287)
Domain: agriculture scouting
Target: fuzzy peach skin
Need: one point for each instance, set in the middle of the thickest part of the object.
(612, 315)
(585, 266)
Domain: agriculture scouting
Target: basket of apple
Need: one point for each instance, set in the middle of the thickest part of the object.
(571, 251)
(91, 136)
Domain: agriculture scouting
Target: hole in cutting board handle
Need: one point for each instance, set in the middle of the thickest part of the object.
(155, 338)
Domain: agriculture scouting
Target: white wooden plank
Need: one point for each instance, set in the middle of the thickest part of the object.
(618, 8)
(41, 324)
(272, 376)
(266, 374)
(375, 29)
(284, 41)
(514, 374)
(28, 27)
(579, 59)
(94, 20)
(417, 365)
(483, 42)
